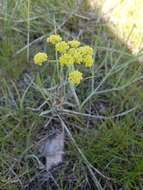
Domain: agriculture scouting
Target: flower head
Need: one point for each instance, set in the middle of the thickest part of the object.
(62, 46)
(66, 59)
(78, 58)
(74, 43)
(75, 77)
(88, 60)
(86, 50)
(40, 58)
(54, 39)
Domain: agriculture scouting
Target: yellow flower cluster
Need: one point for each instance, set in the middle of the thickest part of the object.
(86, 50)
(71, 53)
(40, 58)
(74, 43)
(62, 46)
(74, 52)
(54, 39)
(75, 77)
(88, 60)
(66, 59)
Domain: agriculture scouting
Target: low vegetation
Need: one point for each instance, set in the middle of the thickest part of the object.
(101, 116)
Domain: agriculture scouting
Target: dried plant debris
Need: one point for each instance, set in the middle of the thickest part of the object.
(52, 148)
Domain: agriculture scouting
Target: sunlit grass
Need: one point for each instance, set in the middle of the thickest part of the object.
(125, 19)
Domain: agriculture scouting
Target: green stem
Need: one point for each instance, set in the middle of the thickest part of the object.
(71, 68)
(75, 96)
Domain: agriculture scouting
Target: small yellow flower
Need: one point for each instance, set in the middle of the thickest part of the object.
(77, 56)
(75, 77)
(74, 43)
(40, 58)
(66, 59)
(88, 60)
(54, 39)
(72, 51)
(86, 50)
(62, 46)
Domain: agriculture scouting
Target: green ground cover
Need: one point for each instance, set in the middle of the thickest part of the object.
(103, 143)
